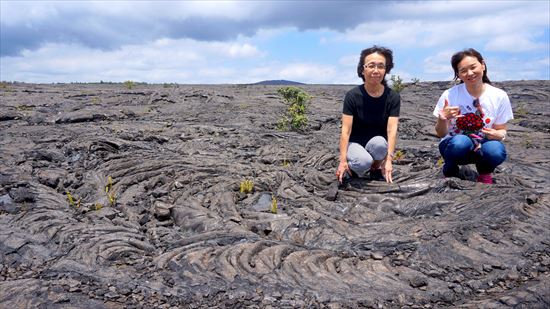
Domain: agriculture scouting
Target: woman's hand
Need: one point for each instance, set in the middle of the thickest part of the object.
(448, 112)
(387, 169)
(343, 168)
(492, 134)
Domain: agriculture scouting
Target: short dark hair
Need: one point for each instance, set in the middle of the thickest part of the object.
(386, 52)
(468, 52)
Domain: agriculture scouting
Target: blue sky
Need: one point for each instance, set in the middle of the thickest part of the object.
(227, 42)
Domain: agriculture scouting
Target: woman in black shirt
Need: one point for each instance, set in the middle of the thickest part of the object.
(370, 119)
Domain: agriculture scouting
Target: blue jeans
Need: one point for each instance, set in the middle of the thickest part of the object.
(459, 150)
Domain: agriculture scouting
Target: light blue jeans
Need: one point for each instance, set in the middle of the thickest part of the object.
(360, 158)
(459, 150)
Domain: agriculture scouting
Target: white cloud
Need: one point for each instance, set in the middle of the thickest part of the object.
(242, 50)
(440, 63)
(436, 24)
(515, 68)
(311, 73)
(164, 60)
(247, 41)
(349, 60)
(513, 43)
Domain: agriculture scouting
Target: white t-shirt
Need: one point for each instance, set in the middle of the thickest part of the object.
(494, 102)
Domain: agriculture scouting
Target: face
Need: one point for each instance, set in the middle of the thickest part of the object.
(374, 68)
(470, 70)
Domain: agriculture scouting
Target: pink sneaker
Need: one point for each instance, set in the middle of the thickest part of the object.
(485, 178)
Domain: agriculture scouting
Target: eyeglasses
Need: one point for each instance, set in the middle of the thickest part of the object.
(372, 66)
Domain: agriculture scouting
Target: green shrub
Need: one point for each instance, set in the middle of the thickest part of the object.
(397, 83)
(129, 84)
(295, 118)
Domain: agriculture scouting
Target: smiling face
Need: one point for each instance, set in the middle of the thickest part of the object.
(470, 71)
(374, 68)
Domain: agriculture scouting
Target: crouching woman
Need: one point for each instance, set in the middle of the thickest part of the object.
(471, 119)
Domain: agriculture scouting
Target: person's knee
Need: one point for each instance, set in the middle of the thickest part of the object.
(458, 147)
(494, 151)
(360, 164)
(377, 147)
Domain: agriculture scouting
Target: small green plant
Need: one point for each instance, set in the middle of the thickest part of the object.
(521, 111)
(273, 204)
(440, 162)
(129, 84)
(295, 118)
(71, 200)
(415, 81)
(286, 163)
(109, 191)
(246, 186)
(5, 87)
(397, 83)
(24, 107)
(109, 185)
(398, 155)
(95, 100)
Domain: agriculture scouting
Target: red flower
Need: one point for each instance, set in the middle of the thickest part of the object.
(469, 122)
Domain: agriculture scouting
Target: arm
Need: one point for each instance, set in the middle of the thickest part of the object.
(441, 127)
(498, 132)
(347, 121)
(443, 118)
(387, 167)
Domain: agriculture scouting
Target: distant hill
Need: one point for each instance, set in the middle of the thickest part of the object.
(278, 82)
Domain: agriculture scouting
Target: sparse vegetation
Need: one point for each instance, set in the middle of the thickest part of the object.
(246, 186)
(5, 87)
(273, 204)
(397, 83)
(295, 118)
(440, 162)
(109, 191)
(24, 107)
(398, 155)
(520, 111)
(72, 202)
(415, 81)
(129, 84)
(95, 100)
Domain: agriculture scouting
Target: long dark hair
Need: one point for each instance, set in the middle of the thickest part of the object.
(386, 52)
(457, 57)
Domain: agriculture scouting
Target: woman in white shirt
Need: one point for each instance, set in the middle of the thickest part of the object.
(471, 118)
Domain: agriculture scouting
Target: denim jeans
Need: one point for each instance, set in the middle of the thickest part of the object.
(360, 157)
(459, 150)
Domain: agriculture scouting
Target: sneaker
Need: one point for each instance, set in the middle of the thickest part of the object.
(376, 175)
(485, 178)
(346, 179)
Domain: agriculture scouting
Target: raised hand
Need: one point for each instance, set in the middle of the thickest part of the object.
(449, 112)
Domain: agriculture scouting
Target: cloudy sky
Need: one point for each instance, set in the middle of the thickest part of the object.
(213, 42)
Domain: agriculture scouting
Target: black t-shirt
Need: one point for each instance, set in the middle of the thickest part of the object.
(370, 115)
